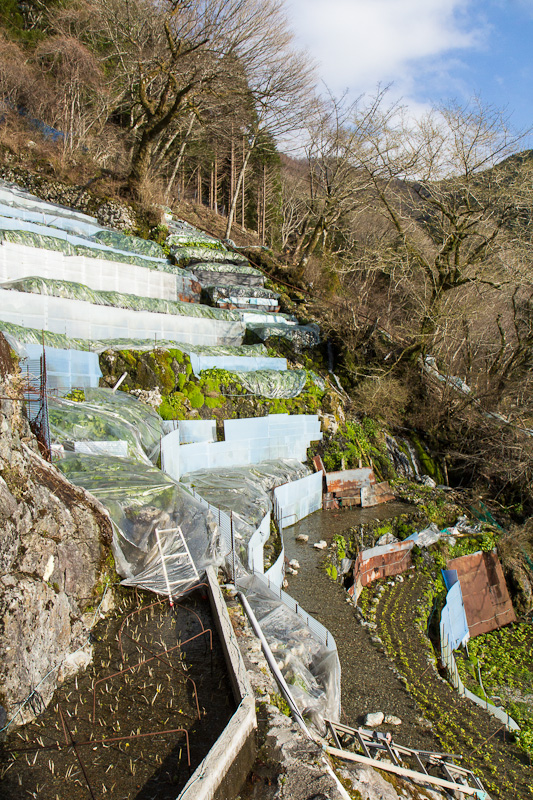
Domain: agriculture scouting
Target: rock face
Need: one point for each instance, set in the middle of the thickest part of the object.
(54, 542)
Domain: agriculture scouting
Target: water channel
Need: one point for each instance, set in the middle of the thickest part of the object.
(368, 683)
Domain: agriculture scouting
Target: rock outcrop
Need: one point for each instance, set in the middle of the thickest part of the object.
(54, 565)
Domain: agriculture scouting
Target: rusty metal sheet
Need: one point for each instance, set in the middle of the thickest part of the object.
(382, 562)
(350, 479)
(319, 465)
(485, 596)
(376, 494)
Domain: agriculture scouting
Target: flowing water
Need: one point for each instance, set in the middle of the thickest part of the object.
(368, 683)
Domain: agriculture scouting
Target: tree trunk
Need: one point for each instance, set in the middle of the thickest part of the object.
(179, 158)
(263, 225)
(240, 178)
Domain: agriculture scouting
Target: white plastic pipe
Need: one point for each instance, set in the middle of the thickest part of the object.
(280, 680)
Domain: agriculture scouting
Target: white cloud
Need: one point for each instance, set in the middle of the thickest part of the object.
(360, 43)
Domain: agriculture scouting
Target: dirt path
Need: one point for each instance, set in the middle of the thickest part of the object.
(368, 682)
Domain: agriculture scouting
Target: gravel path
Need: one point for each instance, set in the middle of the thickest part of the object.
(368, 682)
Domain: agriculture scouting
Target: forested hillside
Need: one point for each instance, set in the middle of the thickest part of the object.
(408, 241)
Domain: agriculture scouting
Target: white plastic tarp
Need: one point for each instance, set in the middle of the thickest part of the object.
(76, 318)
(211, 455)
(10, 224)
(65, 369)
(21, 261)
(305, 426)
(298, 499)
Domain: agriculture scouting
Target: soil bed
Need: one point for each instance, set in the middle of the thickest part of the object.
(172, 686)
(460, 726)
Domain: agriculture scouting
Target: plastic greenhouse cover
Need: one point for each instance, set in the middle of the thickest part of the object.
(256, 315)
(236, 363)
(238, 269)
(298, 335)
(133, 244)
(20, 261)
(9, 224)
(17, 335)
(192, 255)
(194, 238)
(108, 416)
(144, 418)
(14, 195)
(139, 499)
(309, 667)
(245, 491)
(47, 241)
(64, 368)
(52, 217)
(79, 291)
(225, 349)
(83, 320)
(80, 422)
(221, 292)
(270, 383)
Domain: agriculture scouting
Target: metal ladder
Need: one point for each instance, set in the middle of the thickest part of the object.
(381, 751)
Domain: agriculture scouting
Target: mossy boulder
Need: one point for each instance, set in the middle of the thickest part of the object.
(166, 370)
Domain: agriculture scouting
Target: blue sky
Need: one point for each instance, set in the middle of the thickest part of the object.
(431, 50)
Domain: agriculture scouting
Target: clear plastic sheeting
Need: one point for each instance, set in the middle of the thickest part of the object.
(306, 426)
(20, 261)
(132, 244)
(241, 453)
(250, 350)
(79, 319)
(20, 232)
(185, 256)
(16, 202)
(146, 421)
(65, 369)
(17, 335)
(238, 364)
(242, 296)
(192, 237)
(245, 491)
(197, 430)
(93, 422)
(71, 290)
(226, 274)
(271, 384)
(255, 315)
(139, 500)
(299, 336)
(215, 268)
(311, 669)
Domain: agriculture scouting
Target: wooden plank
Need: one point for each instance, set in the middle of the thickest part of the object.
(408, 773)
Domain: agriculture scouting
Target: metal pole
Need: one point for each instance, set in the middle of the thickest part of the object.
(233, 545)
(280, 680)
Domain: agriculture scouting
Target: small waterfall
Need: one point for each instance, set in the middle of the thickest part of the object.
(405, 463)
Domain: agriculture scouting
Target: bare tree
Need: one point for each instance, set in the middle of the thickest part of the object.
(440, 185)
